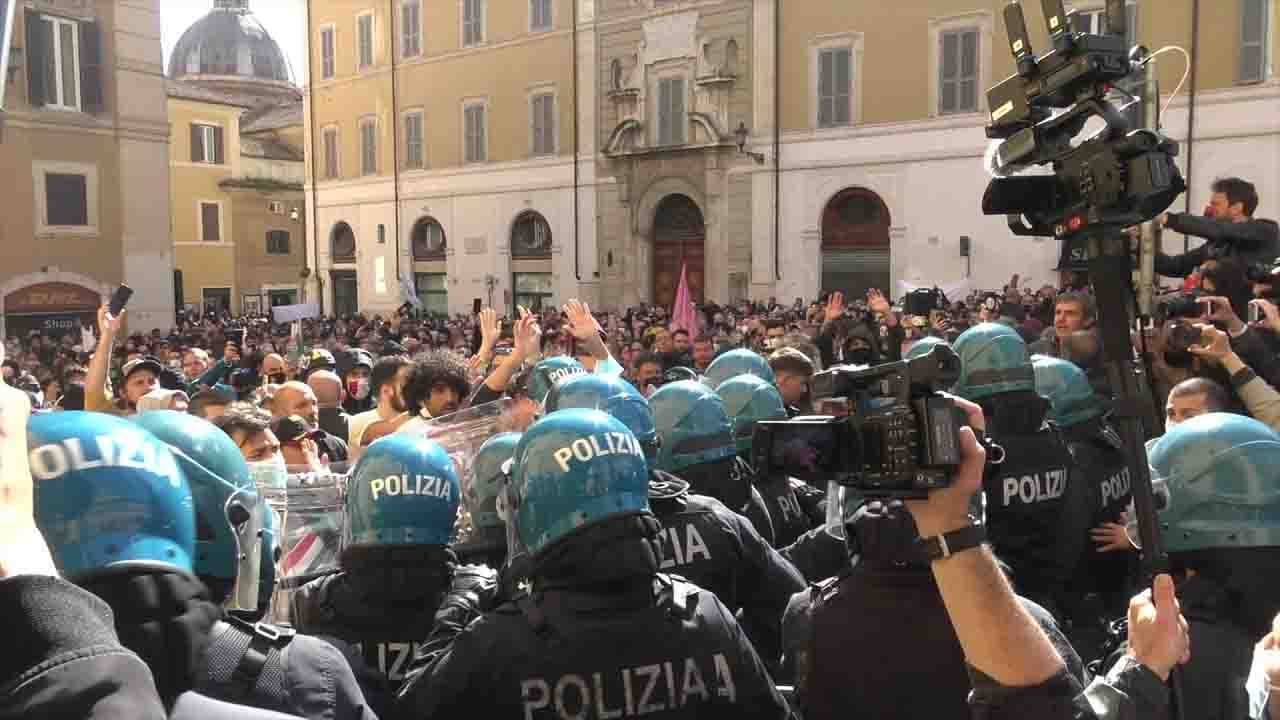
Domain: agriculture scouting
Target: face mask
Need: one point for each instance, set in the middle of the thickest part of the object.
(860, 356)
(358, 389)
(277, 378)
(270, 474)
(1178, 358)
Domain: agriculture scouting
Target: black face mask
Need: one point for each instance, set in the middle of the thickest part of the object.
(858, 356)
(277, 378)
(1178, 358)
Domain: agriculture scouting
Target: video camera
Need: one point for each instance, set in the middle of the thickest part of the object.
(898, 437)
(1118, 177)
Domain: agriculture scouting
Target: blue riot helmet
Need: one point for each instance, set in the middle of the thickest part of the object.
(108, 494)
(613, 395)
(993, 360)
(923, 346)
(1066, 387)
(403, 491)
(693, 425)
(480, 493)
(228, 522)
(572, 469)
(1223, 490)
(546, 374)
(738, 362)
(747, 400)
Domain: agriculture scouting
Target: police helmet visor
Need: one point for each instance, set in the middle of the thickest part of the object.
(238, 520)
(309, 533)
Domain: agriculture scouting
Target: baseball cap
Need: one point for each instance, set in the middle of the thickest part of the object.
(146, 362)
(293, 428)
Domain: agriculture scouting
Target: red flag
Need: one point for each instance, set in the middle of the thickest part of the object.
(684, 316)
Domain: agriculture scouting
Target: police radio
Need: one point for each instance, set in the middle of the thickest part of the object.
(900, 438)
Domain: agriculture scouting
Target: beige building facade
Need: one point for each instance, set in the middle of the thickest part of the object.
(236, 165)
(770, 148)
(85, 151)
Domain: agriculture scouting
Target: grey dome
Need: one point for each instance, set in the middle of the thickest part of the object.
(229, 42)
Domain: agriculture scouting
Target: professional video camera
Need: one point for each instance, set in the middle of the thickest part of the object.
(1118, 177)
(893, 435)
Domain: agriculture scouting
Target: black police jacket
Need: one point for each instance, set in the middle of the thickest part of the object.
(719, 550)
(1038, 513)
(272, 668)
(790, 517)
(654, 646)
(1099, 454)
(730, 481)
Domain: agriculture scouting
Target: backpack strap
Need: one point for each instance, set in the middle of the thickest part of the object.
(265, 644)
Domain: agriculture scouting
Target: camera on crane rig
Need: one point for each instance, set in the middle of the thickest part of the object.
(1118, 177)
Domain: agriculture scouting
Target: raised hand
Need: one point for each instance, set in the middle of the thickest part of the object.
(527, 336)
(582, 323)
(1158, 634)
(878, 303)
(835, 306)
(108, 326)
(490, 329)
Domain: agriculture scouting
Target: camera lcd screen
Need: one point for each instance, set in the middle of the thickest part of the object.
(805, 450)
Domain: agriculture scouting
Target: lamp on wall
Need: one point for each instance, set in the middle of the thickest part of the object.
(741, 133)
(294, 214)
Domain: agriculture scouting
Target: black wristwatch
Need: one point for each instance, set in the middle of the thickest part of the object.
(941, 547)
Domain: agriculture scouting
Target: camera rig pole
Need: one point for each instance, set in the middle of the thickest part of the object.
(1110, 272)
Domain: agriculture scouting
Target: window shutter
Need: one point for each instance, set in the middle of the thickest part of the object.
(1253, 34)
(38, 49)
(842, 59)
(967, 96)
(91, 68)
(209, 221)
(197, 143)
(218, 155)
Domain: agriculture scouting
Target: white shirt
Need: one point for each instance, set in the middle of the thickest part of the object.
(357, 425)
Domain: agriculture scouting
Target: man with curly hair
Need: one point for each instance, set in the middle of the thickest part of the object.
(437, 385)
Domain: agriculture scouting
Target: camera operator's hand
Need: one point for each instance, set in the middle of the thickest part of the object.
(1214, 344)
(1266, 656)
(947, 509)
(23, 550)
(1218, 309)
(1158, 634)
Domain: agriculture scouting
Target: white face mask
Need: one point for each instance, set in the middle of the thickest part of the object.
(270, 474)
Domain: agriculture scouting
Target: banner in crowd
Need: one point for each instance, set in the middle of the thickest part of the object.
(285, 314)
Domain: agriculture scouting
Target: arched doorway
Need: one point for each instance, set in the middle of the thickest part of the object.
(855, 243)
(678, 240)
(346, 286)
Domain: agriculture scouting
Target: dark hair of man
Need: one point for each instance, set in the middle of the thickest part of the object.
(243, 418)
(704, 339)
(384, 371)
(438, 368)
(1087, 306)
(791, 362)
(648, 358)
(205, 399)
(1238, 191)
(680, 331)
(1215, 397)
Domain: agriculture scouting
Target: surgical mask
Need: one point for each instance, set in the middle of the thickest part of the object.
(270, 474)
(359, 388)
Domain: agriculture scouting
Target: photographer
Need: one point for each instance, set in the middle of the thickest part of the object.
(1228, 227)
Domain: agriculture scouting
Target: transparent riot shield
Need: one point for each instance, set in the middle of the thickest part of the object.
(461, 434)
(310, 533)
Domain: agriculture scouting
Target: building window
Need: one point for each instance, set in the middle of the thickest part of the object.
(427, 240)
(433, 291)
(540, 15)
(414, 153)
(369, 146)
(206, 144)
(1254, 22)
(66, 200)
(210, 222)
(275, 207)
(58, 65)
(330, 153)
(327, 51)
(472, 22)
(958, 71)
(533, 290)
(411, 28)
(277, 242)
(671, 115)
(542, 108)
(530, 236)
(216, 300)
(342, 243)
(364, 39)
(835, 86)
(474, 121)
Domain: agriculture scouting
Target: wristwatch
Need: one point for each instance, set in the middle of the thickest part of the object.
(941, 547)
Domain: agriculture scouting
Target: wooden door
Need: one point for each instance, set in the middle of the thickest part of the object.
(679, 238)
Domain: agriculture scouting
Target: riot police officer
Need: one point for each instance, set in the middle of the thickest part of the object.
(249, 662)
(396, 565)
(696, 443)
(487, 544)
(116, 509)
(547, 373)
(702, 540)
(601, 632)
(1037, 507)
(1221, 528)
(738, 362)
(1098, 451)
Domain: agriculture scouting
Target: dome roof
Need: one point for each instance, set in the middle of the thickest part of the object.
(229, 42)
